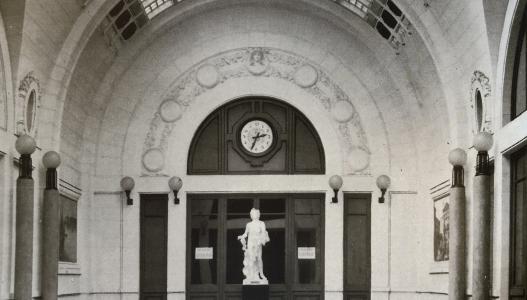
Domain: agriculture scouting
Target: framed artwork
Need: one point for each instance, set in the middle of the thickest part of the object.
(441, 228)
(68, 230)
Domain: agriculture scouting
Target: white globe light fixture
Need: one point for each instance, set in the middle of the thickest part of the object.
(383, 183)
(335, 183)
(175, 183)
(128, 184)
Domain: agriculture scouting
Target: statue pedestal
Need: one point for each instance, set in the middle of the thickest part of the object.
(255, 292)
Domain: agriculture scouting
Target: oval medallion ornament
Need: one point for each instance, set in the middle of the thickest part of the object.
(358, 159)
(207, 76)
(154, 160)
(306, 76)
(170, 111)
(342, 111)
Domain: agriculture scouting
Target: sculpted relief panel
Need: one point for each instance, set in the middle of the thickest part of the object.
(253, 62)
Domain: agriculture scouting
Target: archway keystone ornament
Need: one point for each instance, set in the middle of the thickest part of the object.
(250, 62)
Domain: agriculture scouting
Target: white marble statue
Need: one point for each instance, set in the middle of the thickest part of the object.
(256, 236)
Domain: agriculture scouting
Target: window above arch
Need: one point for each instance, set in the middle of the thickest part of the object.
(519, 80)
(256, 135)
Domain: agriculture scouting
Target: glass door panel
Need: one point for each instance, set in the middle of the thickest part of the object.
(237, 217)
(307, 229)
(273, 213)
(204, 242)
(215, 255)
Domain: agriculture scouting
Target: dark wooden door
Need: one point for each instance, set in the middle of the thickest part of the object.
(357, 246)
(518, 237)
(294, 223)
(153, 257)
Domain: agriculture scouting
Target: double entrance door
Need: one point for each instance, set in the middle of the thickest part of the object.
(293, 259)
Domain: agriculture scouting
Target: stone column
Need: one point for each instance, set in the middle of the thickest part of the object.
(457, 234)
(25, 145)
(481, 218)
(51, 228)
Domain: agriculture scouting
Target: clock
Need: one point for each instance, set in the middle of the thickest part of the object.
(256, 137)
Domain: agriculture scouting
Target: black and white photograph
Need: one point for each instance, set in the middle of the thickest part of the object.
(263, 149)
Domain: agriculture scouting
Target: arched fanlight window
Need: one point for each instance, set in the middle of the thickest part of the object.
(256, 135)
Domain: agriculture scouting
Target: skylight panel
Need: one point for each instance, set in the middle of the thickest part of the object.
(154, 7)
(359, 7)
(384, 16)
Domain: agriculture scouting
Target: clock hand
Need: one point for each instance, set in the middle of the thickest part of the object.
(255, 138)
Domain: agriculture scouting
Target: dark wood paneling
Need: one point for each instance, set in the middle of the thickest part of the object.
(153, 254)
(357, 246)
(518, 237)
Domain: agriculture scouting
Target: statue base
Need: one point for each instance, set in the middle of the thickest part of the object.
(255, 292)
(255, 282)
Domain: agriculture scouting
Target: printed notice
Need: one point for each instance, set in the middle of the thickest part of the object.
(203, 253)
(306, 253)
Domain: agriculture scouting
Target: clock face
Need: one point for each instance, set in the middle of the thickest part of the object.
(256, 136)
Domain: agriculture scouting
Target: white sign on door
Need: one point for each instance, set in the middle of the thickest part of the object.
(306, 253)
(203, 253)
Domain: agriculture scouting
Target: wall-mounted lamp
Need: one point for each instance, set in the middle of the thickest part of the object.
(175, 183)
(383, 182)
(335, 182)
(127, 184)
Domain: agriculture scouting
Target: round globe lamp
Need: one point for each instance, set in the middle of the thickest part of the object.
(335, 183)
(127, 184)
(383, 183)
(175, 183)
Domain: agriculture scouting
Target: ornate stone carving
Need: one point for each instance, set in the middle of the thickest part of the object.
(306, 76)
(28, 105)
(170, 111)
(153, 160)
(342, 111)
(257, 63)
(207, 76)
(262, 62)
(480, 103)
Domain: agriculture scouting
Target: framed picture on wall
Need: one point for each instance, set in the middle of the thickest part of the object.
(68, 230)
(439, 227)
(68, 254)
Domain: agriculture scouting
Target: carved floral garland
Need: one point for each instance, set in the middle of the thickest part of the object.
(250, 62)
